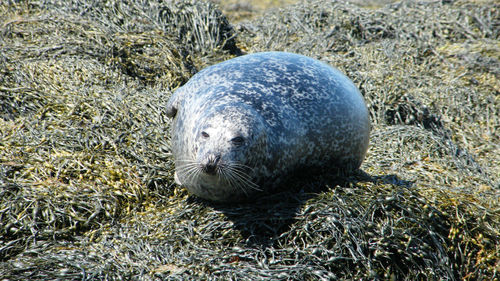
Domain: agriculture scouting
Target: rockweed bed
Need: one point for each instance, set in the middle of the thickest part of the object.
(86, 175)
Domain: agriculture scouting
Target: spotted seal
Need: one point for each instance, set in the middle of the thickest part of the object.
(246, 124)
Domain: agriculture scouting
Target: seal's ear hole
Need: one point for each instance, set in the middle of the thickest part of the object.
(205, 134)
(238, 140)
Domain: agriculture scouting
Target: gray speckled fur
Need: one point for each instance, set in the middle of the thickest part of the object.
(294, 112)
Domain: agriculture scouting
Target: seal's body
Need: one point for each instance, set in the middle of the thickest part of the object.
(245, 124)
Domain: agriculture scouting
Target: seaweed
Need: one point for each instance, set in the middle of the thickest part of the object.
(86, 174)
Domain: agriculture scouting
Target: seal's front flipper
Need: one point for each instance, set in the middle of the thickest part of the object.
(172, 105)
(174, 102)
(176, 178)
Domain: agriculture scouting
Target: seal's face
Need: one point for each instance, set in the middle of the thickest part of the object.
(218, 168)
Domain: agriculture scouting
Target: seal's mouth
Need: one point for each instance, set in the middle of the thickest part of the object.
(209, 169)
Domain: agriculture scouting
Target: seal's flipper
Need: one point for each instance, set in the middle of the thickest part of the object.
(176, 178)
(174, 102)
(172, 106)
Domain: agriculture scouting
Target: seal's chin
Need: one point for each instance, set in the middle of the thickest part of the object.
(210, 182)
(210, 187)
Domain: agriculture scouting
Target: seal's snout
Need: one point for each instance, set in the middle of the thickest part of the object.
(210, 167)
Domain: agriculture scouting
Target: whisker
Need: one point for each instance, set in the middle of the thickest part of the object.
(187, 169)
(242, 177)
(235, 182)
(234, 175)
(240, 165)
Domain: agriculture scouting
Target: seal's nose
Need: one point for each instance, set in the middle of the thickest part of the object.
(211, 166)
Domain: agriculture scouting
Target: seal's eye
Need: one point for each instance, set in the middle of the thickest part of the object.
(238, 140)
(205, 134)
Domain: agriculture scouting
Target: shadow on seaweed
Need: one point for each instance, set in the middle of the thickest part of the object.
(387, 179)
(263, 219)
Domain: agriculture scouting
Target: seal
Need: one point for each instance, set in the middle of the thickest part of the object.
(246, 124)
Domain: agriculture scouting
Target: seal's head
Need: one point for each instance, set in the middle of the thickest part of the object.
(222, 163)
